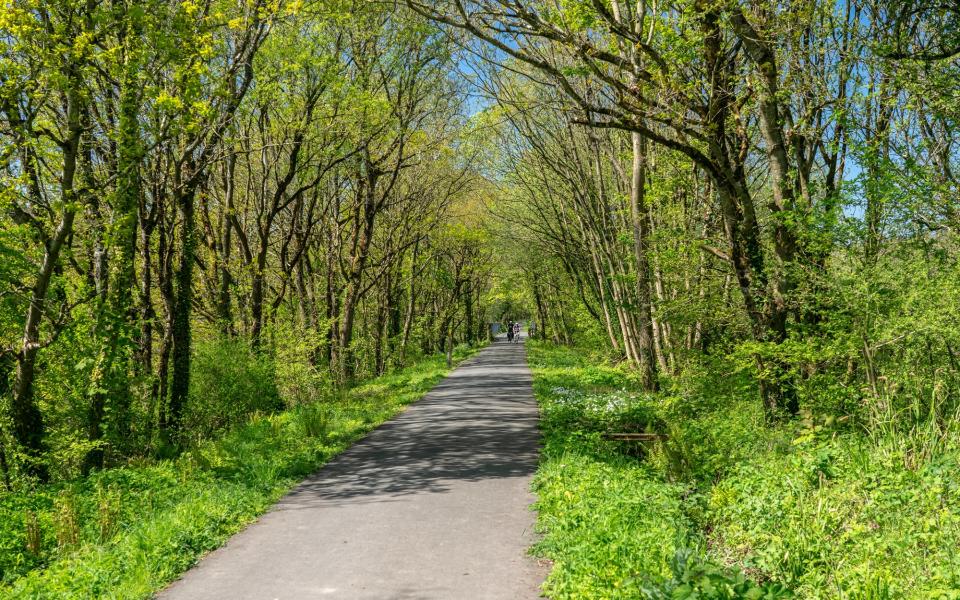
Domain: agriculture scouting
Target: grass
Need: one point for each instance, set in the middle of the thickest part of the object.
(609, 524)
(127, 532)
(840, 517)
(613, 525)
(727, 507)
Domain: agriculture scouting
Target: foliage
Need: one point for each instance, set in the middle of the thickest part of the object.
(816, 507)
(843, 517)
(230, 383)
(693, 578)
(614, 527)
(211, 209)
(127, 531)
(745, 212)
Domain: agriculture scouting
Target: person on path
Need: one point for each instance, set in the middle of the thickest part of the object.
(516, 331)
(510, 331)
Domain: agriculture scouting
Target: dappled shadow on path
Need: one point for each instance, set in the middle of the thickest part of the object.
(479, 423)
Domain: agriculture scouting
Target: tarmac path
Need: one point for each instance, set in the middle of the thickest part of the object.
(434, 504)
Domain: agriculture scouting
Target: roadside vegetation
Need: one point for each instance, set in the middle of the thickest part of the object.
(217, 219)
(744, 211)
(126, 532)
(750, 208)
(723, 506)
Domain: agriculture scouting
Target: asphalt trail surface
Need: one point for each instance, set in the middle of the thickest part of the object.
(434, 504)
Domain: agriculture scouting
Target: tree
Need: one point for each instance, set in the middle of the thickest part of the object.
(689, 85)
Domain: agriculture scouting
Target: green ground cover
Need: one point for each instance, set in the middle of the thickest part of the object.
(815, 508)
(126, 532)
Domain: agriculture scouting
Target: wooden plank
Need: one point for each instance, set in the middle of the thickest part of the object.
(639, 437)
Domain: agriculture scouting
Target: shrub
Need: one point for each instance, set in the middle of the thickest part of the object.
(842, 517)
(229, 382)
(300, 378)
(693, 578)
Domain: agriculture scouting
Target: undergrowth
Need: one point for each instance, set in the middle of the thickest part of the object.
(126, 532)
(725, 506)
(613, 524)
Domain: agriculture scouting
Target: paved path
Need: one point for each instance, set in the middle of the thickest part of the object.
(432, 505)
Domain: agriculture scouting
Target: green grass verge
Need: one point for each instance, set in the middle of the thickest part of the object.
(127, 532)
(841, 516)
(613, 525)
(815, 506)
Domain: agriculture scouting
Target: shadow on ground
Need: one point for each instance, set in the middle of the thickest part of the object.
(477, 424)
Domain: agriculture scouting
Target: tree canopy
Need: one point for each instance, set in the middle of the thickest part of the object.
(326, 190)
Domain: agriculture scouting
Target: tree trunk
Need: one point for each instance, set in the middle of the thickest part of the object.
(6, 365)
(181, 333)
(256, 294)
(147, 313)
(28, 425)
(225, 280)
(878, 160)
(641, 242)
(411, 302)
(541, 326)
(358, 261)
(27, 421)
(449, 343)
(602, 295)
(333, 310)
(380, 330)
(165, 277)
(468, 312)
(110, 381)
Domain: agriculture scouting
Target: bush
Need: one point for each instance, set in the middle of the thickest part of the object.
(824, 506)
(844, 518)
(301, 377)
(704, 442)
(229, 382)
(693, 578)
(835, 503)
